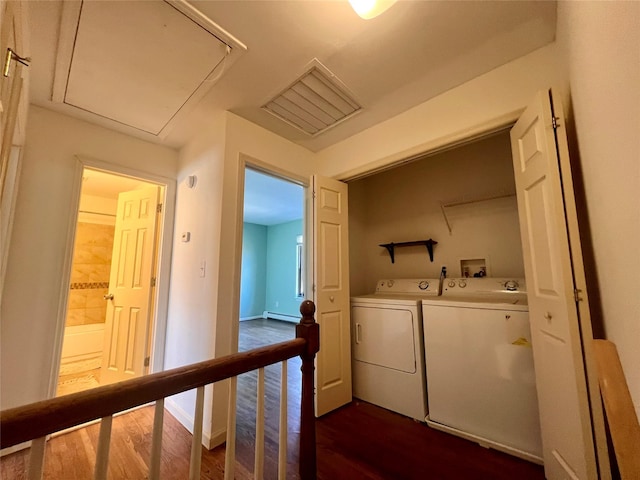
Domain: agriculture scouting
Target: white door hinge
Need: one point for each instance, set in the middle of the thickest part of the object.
(314, 194)
(153, 281)
(146, 361)
(554, 122)
(159, 208)
(576, 294)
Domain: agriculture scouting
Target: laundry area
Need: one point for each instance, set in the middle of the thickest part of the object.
(439, 311)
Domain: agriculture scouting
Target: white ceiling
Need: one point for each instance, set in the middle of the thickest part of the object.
(270, 201)
(413, 52)
(107, 185)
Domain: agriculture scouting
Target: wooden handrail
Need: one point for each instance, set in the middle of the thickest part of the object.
(48, 416)
(36, 420)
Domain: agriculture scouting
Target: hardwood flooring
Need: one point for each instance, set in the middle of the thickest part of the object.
(358, 441)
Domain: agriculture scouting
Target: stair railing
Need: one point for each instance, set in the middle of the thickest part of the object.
(35, 421)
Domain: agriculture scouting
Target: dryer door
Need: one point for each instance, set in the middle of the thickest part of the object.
(384, 337)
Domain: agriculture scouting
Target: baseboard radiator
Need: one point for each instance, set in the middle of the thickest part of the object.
(34, 422)
(280, 316)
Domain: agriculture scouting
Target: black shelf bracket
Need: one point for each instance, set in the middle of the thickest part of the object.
(392, 246)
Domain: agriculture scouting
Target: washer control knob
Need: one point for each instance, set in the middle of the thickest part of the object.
(511, 285)
(423, 285)
(462, 283)
(451, 283)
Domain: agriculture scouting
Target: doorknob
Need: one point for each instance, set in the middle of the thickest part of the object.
(331, 298)
(547, 316)
(108, 296)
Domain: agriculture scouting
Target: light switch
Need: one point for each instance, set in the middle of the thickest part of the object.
(186, 236)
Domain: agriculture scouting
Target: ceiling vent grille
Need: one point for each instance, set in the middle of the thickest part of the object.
(314, 103)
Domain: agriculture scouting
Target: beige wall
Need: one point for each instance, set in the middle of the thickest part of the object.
(204, 311)
(403, 204)
(193, 299)
(495, 98)
(600, 50)
(42, 229)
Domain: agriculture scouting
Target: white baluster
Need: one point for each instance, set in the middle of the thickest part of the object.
(259, 458)
(36, 458)
(282, 434)
(104, 442)
(196, 445)
(230, 452)
(156, 442)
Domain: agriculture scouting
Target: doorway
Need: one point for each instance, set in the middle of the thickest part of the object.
(272, 280)
(108, 333)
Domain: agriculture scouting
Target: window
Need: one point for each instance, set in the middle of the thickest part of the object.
(299, 269)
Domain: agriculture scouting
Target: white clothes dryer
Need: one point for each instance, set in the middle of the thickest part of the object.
(387, 346)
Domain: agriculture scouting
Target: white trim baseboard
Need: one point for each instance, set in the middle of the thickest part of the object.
(254, 317)
(15, 448)
(209, 440)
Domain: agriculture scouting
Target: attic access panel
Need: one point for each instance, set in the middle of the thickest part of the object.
(138, 63)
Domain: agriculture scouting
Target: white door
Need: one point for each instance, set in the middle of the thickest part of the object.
(11, 85)
(331, 293)
(127, 322)
(545, 196)
(12, 116)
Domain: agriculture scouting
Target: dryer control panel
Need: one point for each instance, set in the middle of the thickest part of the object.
(416, 286)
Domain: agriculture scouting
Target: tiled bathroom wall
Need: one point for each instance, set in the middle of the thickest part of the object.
(90, 274)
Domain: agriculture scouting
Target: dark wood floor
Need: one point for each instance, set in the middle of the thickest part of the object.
(358, 441)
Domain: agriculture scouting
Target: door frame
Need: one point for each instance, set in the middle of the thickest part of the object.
(247, 162)
(163, 255)
(474, 133)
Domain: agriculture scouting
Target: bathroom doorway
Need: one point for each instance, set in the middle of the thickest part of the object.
(111, 305)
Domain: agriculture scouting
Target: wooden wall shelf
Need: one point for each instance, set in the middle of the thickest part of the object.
(392, 246)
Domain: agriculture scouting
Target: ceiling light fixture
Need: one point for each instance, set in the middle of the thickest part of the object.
(370, 8)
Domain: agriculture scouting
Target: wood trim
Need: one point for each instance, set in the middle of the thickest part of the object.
(620, 414)
(42, 418)
(68, 27)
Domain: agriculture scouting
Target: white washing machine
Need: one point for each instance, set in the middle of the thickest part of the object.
(479, 363)
(387, 346)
